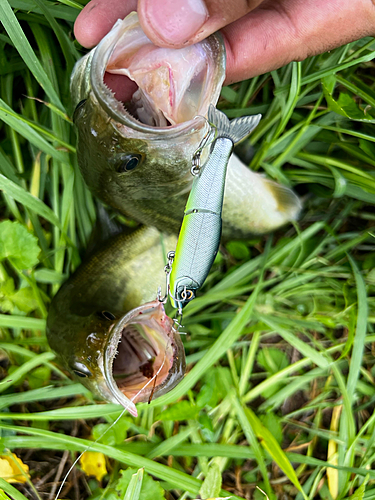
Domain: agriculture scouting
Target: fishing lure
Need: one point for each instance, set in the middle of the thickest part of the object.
(200, 233)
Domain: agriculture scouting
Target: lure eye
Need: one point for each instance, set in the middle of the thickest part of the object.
(128, 163)
(187, 295)
(107, 315)
(81, 370)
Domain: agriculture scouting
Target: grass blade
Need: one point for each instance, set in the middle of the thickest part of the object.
(20, 41)
(28, 200)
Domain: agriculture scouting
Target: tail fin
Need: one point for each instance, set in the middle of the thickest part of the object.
(236, 129)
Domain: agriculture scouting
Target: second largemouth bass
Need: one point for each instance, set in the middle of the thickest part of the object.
(109, 329)
(136, 156)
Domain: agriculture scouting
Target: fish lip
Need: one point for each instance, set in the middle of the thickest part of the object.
(113, 107)
(111, 350)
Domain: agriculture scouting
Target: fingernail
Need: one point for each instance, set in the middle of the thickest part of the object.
(175, 21)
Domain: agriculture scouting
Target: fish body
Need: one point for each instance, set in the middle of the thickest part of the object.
(107, 326)
(200, 233)
(136, 156)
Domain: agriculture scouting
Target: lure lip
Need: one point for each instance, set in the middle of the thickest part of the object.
(177, 364)
(115, 108)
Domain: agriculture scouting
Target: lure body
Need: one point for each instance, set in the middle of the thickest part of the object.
(200, 233)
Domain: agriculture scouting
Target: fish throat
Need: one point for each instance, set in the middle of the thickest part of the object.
(144, 357)
(159, 87)
(141, 365)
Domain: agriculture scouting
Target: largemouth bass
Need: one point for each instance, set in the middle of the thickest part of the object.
(136, 155)
(108, 328)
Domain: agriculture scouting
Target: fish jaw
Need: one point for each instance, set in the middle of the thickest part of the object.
(143, 357)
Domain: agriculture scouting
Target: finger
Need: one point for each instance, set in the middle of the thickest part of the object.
(278, 32)
(98, 17)
(175, 23)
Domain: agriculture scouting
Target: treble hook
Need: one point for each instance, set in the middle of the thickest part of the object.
(177, 320)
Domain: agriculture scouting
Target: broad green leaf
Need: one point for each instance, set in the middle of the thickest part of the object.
(18, 245)
(150, 489)
(272, 423)
(111, 434)
(346, 106)
(168, 445)
(23, 299)
(212, 484)
(318, 358)
(272, 360)
(133, 491)
(238, 249)
(39, 377)
(360, 491)
(183, 410)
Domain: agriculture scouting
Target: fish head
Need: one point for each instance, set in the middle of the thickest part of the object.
(143, 148)
(126, 359)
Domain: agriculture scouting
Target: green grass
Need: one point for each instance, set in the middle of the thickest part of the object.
(281, 344)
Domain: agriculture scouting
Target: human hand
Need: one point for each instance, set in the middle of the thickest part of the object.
(259, 35)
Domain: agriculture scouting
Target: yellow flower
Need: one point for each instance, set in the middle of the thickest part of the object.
(93, 464)
(11, 468)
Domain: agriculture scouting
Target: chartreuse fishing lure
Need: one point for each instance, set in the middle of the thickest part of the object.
(200, 233)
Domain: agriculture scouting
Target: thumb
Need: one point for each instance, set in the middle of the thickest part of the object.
(175, 23)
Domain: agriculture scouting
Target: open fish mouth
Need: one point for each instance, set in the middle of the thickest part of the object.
(172, 85)
(144, 357)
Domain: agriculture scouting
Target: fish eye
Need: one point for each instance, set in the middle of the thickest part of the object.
(107, 315)
(80, 370)
(187, 294)
(78, 107)
(128, 163)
